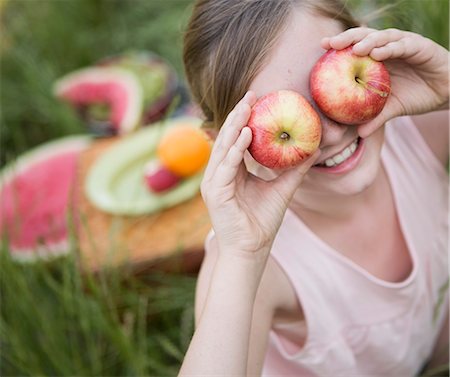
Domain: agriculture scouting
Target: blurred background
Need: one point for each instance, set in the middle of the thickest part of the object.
(55, 318)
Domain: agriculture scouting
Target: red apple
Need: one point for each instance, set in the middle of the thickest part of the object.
(349, 89)
(158, 178)
(286, 129)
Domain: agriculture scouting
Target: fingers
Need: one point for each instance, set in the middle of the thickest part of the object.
(375, 39)
(346, 38)
(389, 51)
(378, 44)
(287, 183)
(408, 48)
(228, 169)
(229, 133)
(389, 112)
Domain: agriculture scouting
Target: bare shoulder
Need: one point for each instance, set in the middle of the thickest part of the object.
(434, 128)
(277, 289)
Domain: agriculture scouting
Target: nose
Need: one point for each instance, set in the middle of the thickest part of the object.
(332, 132)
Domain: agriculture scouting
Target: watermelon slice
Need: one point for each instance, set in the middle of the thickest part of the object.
(157, 77)
(115, 87)
(37, 199)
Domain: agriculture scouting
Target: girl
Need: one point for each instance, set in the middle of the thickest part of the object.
(319, 270)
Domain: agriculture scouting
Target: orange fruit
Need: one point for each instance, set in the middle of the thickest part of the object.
(184, 150)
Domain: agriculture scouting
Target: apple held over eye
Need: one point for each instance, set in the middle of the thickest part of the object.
(286, 129)
(349, 89)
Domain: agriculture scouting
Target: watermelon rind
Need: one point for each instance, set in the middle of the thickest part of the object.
(102, 75)
(41, 252)
(41, 153)
(23, 163)
(116, 184)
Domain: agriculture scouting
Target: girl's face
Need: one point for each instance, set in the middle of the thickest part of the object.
(288, 67)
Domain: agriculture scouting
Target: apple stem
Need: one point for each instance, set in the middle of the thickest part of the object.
(371, 88)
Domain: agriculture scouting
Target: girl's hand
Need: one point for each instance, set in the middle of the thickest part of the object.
(245, 211)
(418, 67)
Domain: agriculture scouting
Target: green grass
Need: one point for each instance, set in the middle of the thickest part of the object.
(54, 320)
(426, 17)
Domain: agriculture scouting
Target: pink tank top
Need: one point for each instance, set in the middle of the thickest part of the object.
(357, 324)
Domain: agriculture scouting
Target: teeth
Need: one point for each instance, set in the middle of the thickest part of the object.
(341, 157)
(346, 153)
(338, 158)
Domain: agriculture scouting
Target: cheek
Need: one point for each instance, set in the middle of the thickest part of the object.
(375, 143)
(357, 180)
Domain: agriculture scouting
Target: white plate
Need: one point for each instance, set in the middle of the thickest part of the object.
(116, 184)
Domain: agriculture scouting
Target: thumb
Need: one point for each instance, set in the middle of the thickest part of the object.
(390, 111)
(287, 182)
(366, 129)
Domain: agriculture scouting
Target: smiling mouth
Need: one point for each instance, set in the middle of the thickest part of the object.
(340, 157)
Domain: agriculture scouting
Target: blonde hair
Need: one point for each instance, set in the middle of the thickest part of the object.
(227, 41)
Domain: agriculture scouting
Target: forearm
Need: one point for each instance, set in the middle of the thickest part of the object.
(221, 341)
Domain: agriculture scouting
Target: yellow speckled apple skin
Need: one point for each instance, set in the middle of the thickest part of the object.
(347, 88)
(286, 129)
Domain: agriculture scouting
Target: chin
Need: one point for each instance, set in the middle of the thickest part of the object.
(353, 183)
(357, 183)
